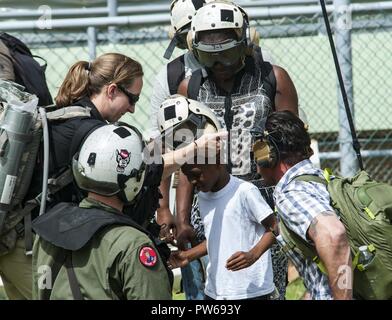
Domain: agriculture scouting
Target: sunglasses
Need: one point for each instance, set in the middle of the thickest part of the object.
(132, 98)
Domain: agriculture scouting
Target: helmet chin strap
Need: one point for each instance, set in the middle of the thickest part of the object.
(170, 48)
(241, 66)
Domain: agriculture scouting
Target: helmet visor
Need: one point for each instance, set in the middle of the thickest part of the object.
(185, 132)
(227, 55)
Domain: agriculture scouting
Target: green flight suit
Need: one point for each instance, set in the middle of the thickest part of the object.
(107, 267)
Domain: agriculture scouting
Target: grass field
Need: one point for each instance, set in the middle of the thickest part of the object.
(295, 290)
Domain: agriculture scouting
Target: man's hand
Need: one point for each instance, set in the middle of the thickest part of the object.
(178, 259)
(211, 144)
(185, 234)
(166, 220)
(241, 260)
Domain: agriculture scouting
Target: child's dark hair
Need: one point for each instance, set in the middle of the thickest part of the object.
(290, 136)
(204, 161)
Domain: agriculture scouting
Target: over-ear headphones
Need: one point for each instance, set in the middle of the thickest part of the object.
(265, 151)
(246, 27)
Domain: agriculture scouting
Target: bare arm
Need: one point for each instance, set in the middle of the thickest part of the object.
(179, 259)
(164, 216)
(241, 259)
(184, 197)
(330, 239)
(286, 97)
(209, 143)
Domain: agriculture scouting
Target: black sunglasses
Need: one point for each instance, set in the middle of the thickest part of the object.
(132, 98)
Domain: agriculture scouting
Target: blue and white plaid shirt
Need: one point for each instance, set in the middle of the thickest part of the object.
(298, 203)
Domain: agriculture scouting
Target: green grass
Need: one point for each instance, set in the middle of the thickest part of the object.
(2, 294)
(295, 290)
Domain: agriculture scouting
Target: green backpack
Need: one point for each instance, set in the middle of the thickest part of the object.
(365, 209)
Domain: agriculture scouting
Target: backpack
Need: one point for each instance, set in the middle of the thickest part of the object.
(18, 155)
(365, 209)
(28, 72)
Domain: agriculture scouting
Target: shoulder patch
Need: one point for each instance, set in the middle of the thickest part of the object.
(148, 256)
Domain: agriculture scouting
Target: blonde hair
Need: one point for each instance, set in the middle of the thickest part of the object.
(85, 79)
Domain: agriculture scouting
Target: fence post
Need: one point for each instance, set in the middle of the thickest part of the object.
(112, 12)
(342, 18)
(92, 42)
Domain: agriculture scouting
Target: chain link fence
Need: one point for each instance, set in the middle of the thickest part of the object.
(299, 44)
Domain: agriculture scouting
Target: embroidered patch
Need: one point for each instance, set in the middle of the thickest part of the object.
(123, 158)
(148, 257)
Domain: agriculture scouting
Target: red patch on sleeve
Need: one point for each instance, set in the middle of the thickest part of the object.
(148, 256)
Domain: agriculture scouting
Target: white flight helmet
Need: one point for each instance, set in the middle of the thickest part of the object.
(182, 120)
(110, 162)
(217, 16)
(181, 14)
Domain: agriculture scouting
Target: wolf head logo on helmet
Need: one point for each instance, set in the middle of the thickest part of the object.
(123, 158)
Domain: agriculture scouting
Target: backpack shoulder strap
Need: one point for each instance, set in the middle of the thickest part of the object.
(194, 84)
(68, 113)
(175, 73)
(311, 178)
(267, 74)
(299, 245)
(73, 281)
(63, 258)
(58, 262)
(269, 79)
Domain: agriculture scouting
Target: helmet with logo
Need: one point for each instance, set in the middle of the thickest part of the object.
(181, 14)
(182, 120)
(220, 15)
(110, 162)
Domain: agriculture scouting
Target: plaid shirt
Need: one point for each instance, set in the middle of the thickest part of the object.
(298, 203)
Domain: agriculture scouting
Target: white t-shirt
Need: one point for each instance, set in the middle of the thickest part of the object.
(232, 221)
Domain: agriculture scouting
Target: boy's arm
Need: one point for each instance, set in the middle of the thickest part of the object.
(179, 259)
(241, 259)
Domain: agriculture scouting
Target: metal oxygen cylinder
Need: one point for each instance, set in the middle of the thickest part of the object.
(15, 133)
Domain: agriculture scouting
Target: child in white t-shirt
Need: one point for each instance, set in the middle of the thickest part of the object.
(238, 224)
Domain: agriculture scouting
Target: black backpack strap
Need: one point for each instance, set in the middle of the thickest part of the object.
(269, 81)
(63, 258)
(267, 74)
(58, 262)
(28, 234)
(175, 73)
(73, 281)
(194, 84)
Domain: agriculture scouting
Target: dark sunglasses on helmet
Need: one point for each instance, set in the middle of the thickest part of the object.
(132, 98)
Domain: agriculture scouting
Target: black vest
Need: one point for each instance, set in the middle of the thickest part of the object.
(70, 227)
